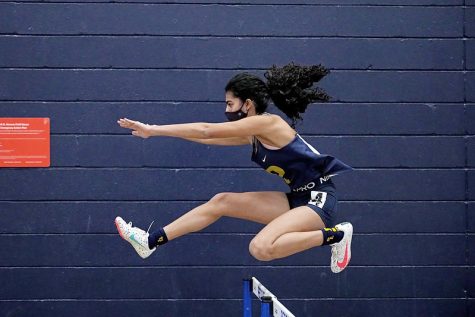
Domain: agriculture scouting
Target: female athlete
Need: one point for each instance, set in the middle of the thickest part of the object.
(295, 221)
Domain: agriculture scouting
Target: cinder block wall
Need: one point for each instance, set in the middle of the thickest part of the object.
(403, 112)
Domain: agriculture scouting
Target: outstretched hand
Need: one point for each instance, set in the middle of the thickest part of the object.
(139, 129)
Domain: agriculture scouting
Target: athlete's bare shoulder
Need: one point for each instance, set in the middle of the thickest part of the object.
(282, 124)
(280, 134)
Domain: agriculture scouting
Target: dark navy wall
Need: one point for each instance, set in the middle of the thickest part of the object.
(403, 112)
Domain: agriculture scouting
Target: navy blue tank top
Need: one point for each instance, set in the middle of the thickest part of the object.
(297, 162)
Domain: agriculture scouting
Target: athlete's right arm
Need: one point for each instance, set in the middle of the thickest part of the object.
(143, 130)
(254, 125)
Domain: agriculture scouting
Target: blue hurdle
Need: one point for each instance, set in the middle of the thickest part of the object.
(270, 306)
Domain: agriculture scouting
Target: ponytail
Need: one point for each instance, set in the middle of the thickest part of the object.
(290, 88)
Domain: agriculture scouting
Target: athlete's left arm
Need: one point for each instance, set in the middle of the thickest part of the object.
(255, 125)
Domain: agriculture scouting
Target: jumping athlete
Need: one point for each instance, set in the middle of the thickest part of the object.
(295, 221)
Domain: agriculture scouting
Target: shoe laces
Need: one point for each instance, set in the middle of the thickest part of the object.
(130, 224)
(150, 226)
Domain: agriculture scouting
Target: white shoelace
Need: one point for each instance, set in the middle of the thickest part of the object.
(150, 226)
(130, 224)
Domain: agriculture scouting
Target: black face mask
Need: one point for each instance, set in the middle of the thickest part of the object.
(236, 115)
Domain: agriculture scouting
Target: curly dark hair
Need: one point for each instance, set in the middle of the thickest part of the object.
(289, 87)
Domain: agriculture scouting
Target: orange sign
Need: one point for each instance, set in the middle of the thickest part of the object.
(24, 142)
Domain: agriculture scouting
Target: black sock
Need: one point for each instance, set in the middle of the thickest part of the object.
(331, 235)
(156, 238)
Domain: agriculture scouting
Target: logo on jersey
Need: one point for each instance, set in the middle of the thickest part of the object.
(278, 171)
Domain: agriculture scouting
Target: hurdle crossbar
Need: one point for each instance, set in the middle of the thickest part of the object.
(269, 302)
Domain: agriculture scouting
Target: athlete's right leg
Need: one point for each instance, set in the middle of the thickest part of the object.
(261, 207)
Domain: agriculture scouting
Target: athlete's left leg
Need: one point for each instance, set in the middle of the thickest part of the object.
(297, 230)
(300, 229)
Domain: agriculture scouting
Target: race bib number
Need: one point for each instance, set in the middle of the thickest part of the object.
(318, 199)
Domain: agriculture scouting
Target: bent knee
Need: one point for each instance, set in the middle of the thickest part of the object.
(221, 198)
(261, 250)
(225, 200)
(222, 203)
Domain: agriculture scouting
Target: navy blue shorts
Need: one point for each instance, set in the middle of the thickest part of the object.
(321, 198)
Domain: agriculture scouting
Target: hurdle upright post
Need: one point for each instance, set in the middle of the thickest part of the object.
(247, 301)
(266, 306)
(270, 305)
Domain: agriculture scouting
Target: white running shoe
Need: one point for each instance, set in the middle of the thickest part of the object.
(135, 236)
(341, 251)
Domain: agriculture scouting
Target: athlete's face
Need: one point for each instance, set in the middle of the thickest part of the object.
(239, 113)
(233, 103)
